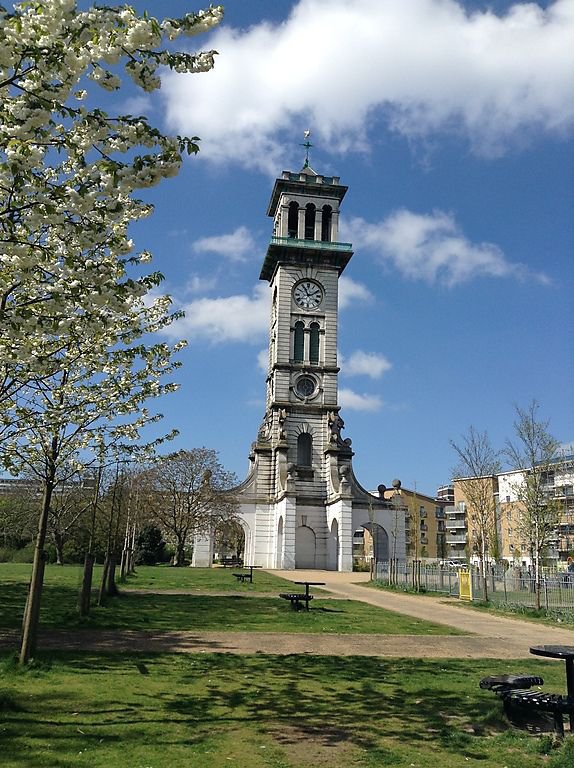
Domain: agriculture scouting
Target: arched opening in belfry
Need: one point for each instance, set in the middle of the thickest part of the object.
(299, 341)
(304, 450)
(309, 221)
(314, 342)
(326, 223)
(293, 219)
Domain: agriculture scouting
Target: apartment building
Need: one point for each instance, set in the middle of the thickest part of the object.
(425, 523)
(506, 535)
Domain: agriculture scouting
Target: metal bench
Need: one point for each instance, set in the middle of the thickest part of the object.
(521, 703)
(297, 599)
(498, 683)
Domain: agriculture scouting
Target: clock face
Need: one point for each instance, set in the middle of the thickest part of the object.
(305, 386)
(308, 294)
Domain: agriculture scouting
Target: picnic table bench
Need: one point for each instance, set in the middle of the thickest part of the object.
(297, 599)
(247, 574)
(529, 708)
(231, 562)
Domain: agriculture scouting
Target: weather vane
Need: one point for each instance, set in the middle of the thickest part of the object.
(307, 144)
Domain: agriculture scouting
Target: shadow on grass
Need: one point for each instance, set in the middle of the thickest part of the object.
(389, 708)
(203, 613)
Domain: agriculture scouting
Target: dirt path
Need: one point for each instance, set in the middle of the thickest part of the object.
(492, 636)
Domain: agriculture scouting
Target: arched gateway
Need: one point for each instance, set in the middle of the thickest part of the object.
(301, 500)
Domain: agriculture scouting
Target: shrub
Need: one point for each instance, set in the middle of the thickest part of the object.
(150, 546)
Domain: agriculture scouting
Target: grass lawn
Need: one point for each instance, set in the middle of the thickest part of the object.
(246, 611)
(162, 577)
(219, 711)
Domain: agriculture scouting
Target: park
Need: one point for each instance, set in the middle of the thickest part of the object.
(191, 667)
(158, 611)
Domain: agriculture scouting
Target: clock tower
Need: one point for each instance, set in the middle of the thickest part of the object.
(301, 503)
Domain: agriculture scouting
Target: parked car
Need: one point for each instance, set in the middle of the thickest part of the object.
(451, 564)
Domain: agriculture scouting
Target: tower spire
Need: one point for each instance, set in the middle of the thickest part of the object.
(307, 144)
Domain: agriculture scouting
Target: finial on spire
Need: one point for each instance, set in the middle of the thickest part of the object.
(307, 144)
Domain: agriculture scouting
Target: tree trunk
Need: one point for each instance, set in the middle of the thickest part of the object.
(104, 582)
(111, 587)
(59, 546)
(86, 589)
(32, 610)
(85, 599)
(179, 554)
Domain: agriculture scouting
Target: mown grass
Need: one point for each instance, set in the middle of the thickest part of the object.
(160, 577)
(246, 611)
(215, 710)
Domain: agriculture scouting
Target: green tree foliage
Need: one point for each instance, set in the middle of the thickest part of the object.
(150, 546)
(188, 493)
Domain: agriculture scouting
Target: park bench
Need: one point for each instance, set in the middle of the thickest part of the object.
(297, 599)
(231, 562)
(527, 708)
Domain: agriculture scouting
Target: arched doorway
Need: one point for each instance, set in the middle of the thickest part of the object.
(279, 549)
(305, 547)
(333, 547)
(229, 540)
(379, 541)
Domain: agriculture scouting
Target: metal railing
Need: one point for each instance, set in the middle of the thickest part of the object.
(513, 587)
(323, 244)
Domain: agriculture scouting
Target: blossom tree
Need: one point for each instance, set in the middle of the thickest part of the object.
(75, 313)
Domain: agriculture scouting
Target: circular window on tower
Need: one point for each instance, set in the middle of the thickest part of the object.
(305, 386)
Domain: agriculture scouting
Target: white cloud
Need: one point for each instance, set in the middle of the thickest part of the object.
(364, 364)
(231, 318)
(263, 360)
(200, 284)
(432, 247)
(137, 105)
(423, 66)
(351, 291)
(352, 401)
(235, 246)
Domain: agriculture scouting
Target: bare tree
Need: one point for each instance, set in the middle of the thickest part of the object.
(188, 493)
(535, 452)
(478, 463)
(70, 502)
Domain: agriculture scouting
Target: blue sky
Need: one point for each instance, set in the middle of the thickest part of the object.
(452, 124)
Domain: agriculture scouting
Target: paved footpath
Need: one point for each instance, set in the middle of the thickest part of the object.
(491, 636)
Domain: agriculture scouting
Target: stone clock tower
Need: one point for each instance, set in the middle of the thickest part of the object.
(301, 503)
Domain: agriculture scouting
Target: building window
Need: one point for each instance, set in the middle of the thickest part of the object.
(304, 449)
(293, 220)
(299, 342)
(309, 221)
(326, 223)
(314, 343)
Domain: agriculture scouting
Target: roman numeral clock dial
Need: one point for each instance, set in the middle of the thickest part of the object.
(308, 294)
